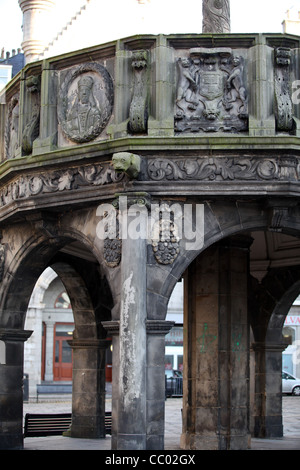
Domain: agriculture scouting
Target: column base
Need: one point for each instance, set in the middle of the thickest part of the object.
(129, 442)
(212, 442)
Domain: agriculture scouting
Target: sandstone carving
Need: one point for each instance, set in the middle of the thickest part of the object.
(225, 169)
(61, 180)
(138, 114)
(283, 101)
(211, 93)
(85, 102)
(32, 127)
(166, 248)
(128, 163)
(12, 127)
(216, 16)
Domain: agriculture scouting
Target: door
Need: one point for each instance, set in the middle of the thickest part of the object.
(63, 355)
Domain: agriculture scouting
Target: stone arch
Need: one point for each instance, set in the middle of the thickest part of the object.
(223, 219)
(274, 298)
(85, 283)
(226, 225)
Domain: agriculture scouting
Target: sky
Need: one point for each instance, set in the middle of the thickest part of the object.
(253, 16)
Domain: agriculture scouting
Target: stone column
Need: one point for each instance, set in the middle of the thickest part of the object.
(11, 389)
(216, 341)
(88, 391)
(268, 390)
(49, 350)
(35, 27)
(156, 331)
(47, 139)
(129, 347)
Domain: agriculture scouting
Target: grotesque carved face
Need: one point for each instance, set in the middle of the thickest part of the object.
(121, 161)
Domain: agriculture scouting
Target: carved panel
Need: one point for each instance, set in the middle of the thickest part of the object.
(138, 114)
(32, 116)
(211, 94)
(283, 101)
(85, 102)
(12, 127)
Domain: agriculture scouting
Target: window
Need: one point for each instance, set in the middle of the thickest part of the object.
(62, 301)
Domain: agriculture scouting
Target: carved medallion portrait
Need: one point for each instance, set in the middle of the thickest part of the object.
(85, 102)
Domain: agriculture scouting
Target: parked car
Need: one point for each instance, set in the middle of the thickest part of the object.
(174, 383)
(290, 384)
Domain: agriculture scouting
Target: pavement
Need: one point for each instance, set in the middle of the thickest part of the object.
(290, 441)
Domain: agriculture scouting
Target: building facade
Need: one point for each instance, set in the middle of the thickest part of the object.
(48, 357)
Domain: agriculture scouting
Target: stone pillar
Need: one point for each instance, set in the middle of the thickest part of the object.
(268, 390)
(216, 340)
(11, 389)
(129, 347)
(47, 139)
(35, 27)
(156, 331)
(88, 392)
(49, 350)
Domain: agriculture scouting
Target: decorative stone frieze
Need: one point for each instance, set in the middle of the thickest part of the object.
(85, 102)
(211, 93)
(212, 169)
(283, 101)
(138, 114)
(56, 181)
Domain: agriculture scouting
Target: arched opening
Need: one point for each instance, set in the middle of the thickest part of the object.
(91, 300)
(258, 258)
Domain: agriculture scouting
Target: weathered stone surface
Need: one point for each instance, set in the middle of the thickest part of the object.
(199, 121)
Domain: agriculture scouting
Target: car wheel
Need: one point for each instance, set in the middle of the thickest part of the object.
(296, 391)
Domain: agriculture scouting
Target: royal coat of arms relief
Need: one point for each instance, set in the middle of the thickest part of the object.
(211, 93)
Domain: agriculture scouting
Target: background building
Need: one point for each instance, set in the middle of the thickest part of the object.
(291, 356)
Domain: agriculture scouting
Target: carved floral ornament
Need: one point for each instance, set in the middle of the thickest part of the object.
(61, 180)
(85, 102)
(225, 168)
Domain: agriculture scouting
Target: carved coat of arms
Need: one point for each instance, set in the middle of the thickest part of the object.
(211, 95)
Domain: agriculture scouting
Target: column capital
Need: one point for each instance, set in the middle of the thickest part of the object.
(269, 347)
(159, 327)
(13, 335)
(88, 343)
(112, 327)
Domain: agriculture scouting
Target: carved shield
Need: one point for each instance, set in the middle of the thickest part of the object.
(211, 85)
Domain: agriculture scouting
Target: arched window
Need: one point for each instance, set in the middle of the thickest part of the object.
(62, 301)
